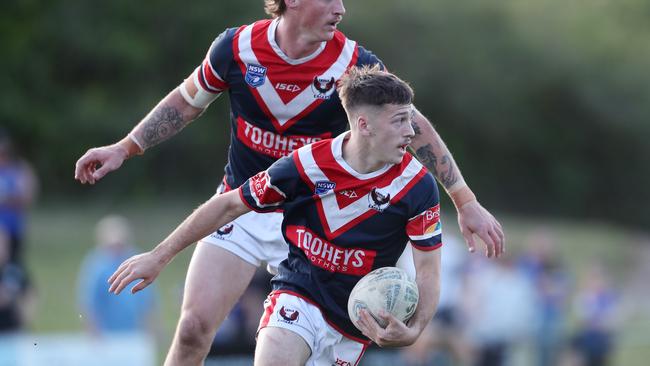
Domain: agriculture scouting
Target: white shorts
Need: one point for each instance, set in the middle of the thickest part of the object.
(405, 261)
(254, 237)
(328, 347)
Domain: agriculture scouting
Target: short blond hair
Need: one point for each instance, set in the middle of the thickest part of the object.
(275, 8)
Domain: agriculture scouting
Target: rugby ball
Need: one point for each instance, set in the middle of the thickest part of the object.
(387, 288)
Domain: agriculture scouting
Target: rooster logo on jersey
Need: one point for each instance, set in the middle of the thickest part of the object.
(377, 200)
(323, 88)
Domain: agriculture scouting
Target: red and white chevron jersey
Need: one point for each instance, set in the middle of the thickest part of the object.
(277, 104)
(341, 224)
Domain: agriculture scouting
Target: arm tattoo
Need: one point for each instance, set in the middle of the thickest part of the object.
(163, 124)
(443, 169)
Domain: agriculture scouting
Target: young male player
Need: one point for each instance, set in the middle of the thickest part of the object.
(280, 74)
(350, 205)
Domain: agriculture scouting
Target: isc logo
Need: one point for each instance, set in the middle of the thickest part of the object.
(288, 87)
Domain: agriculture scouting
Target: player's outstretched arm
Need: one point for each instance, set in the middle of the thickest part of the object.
(214, 213)
(164, 121)
(396, 333)
(473, 218)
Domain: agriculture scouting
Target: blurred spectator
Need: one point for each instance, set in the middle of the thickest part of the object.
(16, 298)
(444, 341)
(596, 309)
(17, 192)
(551, 281)
(499, 307)
(103, 312)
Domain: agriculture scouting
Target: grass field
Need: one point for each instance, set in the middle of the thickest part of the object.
(60, 234)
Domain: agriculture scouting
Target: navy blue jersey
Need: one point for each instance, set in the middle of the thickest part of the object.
(341, 224)
(277, 104)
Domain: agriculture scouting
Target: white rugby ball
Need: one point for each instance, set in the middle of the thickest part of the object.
(387, 288)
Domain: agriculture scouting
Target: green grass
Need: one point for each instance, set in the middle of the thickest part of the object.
(61, 234)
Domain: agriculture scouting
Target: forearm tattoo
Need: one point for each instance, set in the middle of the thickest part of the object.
(442, 169)
(164, 123)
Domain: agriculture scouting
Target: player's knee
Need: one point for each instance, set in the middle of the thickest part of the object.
(194, 330)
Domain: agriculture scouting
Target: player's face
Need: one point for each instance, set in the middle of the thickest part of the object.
(391, 132)
(320, 17)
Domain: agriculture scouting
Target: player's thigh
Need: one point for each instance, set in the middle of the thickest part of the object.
(216, 279)
(278, 346)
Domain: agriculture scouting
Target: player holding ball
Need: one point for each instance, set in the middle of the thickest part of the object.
(335, 237)
(280, 75)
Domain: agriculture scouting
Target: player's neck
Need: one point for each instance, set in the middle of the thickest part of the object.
(294, 43)
(359, 156)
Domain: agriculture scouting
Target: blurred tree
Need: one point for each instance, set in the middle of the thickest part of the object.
(543, 103)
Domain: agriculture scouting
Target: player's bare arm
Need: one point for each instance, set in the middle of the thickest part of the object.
(396, 333)
(214, 213)
(473, 218)
(165, 120)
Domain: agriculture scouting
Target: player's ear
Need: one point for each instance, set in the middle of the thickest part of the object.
(291, 3)
(362, 125)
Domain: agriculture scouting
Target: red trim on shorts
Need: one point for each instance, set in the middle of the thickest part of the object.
(363, 351)
(366, 343)
(268, 310)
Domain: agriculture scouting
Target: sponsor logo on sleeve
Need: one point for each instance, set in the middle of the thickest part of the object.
(425, 225)
(263, 192)
(255, 75)
(431, 220)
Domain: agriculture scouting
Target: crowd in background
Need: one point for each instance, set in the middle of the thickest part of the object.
(523, 309)
(18, 186)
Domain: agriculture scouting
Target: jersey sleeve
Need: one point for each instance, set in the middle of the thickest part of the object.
(209, 79)
(267, 191)
(213, 70)
(424, 229)
(368, 58)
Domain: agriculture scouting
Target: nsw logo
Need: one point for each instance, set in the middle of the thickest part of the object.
(255, 75)
(323, 187)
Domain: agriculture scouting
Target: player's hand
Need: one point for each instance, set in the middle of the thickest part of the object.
(473, 219)
(144, 267)
(99, 161)
(396, 333)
